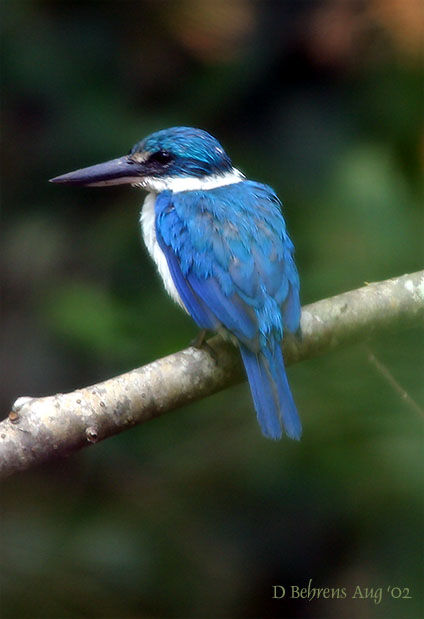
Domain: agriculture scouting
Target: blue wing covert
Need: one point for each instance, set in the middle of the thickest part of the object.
(231, 261)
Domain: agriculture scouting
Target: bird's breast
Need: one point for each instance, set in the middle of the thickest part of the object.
(148, 228)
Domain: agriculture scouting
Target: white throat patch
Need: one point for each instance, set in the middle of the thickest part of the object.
(189, 183)
(148, 228)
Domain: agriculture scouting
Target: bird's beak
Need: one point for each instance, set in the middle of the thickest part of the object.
(114, 172)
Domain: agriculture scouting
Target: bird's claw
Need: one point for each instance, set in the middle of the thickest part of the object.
(200, 343)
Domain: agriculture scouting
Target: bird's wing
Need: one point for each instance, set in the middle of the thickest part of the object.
(231, 259)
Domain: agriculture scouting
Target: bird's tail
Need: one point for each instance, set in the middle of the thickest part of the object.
(271, 393)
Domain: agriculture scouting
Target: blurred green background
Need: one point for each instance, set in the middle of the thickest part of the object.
(195, 514)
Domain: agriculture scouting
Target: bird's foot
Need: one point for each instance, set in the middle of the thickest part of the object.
(200, 339)
(200, 343)
(298, 335)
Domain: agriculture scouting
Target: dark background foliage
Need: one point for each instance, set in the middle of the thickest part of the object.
(195, 514)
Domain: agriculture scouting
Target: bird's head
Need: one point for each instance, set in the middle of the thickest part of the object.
(178, 158)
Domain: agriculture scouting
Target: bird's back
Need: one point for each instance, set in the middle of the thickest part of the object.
(236, 236)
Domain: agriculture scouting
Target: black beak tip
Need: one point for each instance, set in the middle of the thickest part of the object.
(59, 180)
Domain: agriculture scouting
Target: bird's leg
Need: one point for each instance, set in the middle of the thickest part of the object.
(200, 343)
(298, 335)
(200, 339)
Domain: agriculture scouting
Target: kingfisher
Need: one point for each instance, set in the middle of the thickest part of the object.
(220, 244)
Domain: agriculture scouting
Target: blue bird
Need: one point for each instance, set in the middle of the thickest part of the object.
(220, 244)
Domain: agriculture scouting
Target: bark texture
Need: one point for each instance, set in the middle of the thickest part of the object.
(38, 428)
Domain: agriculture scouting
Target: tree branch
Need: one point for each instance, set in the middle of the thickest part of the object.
(38, 428)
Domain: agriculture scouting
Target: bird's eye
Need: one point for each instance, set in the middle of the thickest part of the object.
(161, 156)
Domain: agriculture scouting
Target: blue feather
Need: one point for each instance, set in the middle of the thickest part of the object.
(271, 393)
(197, 309)
(231, 261)
(261, 386)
